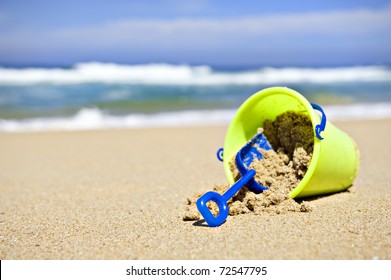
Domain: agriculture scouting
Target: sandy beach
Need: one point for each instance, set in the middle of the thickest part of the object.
(121, 194)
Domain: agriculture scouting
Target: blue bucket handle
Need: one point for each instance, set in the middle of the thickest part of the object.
(322, 125)
(220, 154)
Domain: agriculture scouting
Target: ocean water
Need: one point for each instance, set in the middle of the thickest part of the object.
(105, 95)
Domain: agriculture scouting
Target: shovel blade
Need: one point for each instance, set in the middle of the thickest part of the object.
(252, 150)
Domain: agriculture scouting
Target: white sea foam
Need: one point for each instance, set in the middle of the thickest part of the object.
(168, 74)
(93, 118)
(360, 111)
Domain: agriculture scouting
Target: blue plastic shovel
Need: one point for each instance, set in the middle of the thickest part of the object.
(243, 159)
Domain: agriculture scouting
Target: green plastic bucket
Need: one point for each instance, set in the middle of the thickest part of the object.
(335, 159)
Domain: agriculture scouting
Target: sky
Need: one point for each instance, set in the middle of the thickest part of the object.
(221, 33)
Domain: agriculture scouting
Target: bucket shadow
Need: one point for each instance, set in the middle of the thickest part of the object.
(338, 196)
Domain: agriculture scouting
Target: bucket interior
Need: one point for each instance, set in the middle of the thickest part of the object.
(266, 105)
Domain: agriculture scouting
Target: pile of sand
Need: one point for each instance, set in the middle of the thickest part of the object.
(289, 131)
(280, 170)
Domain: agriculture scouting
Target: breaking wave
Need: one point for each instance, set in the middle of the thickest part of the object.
(168, 74)
(94, 118)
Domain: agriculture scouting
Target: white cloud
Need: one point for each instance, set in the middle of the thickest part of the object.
(358, 22)
(364, 28)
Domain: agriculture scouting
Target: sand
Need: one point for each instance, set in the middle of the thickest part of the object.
(289, 131)
(280, 170)
(120, 194)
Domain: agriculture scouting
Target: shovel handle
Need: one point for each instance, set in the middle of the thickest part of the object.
(221, 201)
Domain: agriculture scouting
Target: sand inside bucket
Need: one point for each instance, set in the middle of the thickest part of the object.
(280, 170)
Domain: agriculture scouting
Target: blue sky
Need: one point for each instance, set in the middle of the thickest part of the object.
(222, 33)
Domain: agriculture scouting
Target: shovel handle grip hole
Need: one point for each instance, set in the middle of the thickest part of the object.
(202, 206)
